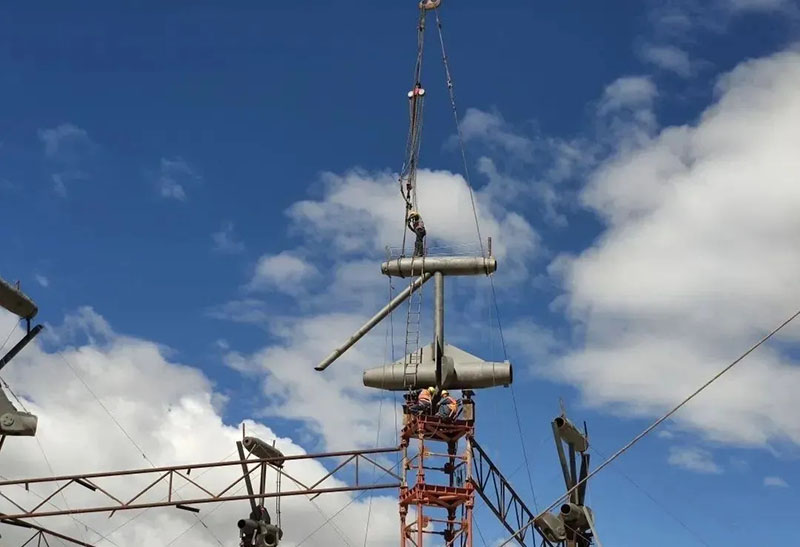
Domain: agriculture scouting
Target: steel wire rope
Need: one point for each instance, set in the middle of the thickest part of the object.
(8, 336)
(121, 428)
(58, 485)
(480, 534)
(51, 503)
(333, 516)
(380, 409)
(513, 396)
(118, 528)
(4, 383)
(661, 506)
(195, 523)
(662, 419)
(38, 442)
(459, 134)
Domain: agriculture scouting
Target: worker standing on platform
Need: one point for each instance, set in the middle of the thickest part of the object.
(416, 225)
(448, 406)
(424, 402)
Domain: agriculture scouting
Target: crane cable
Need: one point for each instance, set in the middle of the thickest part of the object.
(408, 173)
(459, 134)
(513, 396)
(658, 422)
(121, 428)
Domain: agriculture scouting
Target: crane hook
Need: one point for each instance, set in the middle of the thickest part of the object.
(429, 4)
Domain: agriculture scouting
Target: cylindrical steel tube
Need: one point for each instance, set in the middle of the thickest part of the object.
(387, 309)
(465, 376)
(448, 265)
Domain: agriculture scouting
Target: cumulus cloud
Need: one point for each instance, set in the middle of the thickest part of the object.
(285, 272)
(224, 240)
(775, 482)
(693, 459)
(172, 413)
(628, 92)
(696, 262)
(42, 280)
(522, 166)
(66, 149)
(64, 142)
(361, 212)
(491, 128)
(174, 175)
(670, 58)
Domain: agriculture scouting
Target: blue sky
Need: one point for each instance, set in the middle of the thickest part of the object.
(206, 178)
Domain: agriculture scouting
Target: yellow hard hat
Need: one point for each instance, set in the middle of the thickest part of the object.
(413, 214)
(432, 390)
(445, 392)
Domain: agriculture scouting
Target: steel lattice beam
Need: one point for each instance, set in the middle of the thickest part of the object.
(166, 479)
(501, 498)
(42, 533)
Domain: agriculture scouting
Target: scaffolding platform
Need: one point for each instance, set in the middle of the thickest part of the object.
(435, 428)
(434, 495)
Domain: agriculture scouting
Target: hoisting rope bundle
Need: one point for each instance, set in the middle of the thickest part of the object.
(408, 174)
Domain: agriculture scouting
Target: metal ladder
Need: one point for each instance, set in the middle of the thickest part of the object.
(412, 356)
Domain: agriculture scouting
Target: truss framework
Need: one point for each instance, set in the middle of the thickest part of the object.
(501, 498)
(41, 534)
(167, 479)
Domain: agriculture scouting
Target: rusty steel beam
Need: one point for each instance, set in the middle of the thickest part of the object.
(193, 466)
(198, 501)
(43, 531)
(165, 476)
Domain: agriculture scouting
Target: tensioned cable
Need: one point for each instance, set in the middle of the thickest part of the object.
(333, 516)
(380, 410)
(118, 528)
(513, 396)
(659, 421)
(63, 497)
(55, 506)
(12, 331)
(121, 428)
(459, 134)
(655, 501)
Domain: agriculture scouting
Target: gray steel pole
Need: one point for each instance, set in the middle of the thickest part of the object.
(438, 323)
(396, 301)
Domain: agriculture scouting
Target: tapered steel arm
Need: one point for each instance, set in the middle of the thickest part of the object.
(396, 301)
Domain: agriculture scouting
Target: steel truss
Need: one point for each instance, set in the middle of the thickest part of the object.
(501, 498)
(168, 480)
(41, 534)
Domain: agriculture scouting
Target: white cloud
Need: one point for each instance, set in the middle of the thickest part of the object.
(284, 272)
(361, 212)
(668, 58)
(492, 129)
(526, 166)
(225, 240)
(697, 262)
(758, 5)
(628, 92)
(775, 482)
(66, 148)
(693, 459)
(42, 280)
(64, 142)
(173, 177)
(171, 411)
(248, 310)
